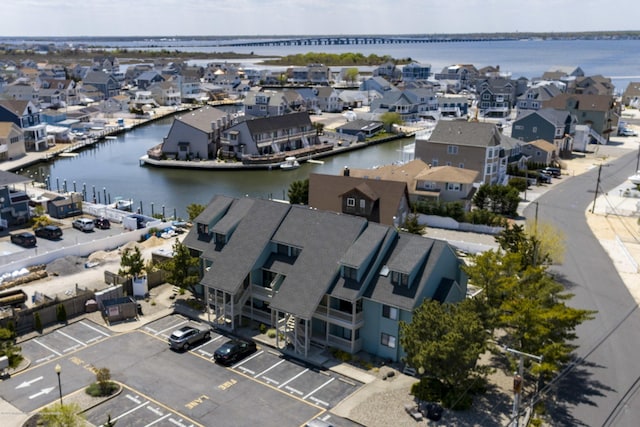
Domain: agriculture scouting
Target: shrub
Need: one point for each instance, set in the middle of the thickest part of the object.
(61, 313)
(37, 322)
(263, 328)
(271, 333)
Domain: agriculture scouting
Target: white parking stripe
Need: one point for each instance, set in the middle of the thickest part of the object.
(95, 329)
(158, 420)
(247, 359)
(268, 369)
(318, 388)
(172, 327)
(130, 411)
(50, 349)
(205, 343)
(292, 378)
(70, 337)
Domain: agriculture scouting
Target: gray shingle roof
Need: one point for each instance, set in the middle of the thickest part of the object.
(462, 132)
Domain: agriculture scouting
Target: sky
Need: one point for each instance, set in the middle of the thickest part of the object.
(62, 18)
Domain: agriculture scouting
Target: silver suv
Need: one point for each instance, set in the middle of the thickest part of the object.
(83, 224)
(185, 337)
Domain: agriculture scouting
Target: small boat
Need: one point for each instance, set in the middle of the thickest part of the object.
(635, 179)
(124, 205)
(289, 163)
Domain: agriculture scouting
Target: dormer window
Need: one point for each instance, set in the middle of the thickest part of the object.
(203, 228)
(399, 279)
(349, 273)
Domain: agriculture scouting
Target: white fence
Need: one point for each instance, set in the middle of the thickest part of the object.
(451, 224)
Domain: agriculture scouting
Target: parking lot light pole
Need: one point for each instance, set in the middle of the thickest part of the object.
(58, 369)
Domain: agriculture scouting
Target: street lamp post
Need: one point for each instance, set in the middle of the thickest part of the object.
(58, 369)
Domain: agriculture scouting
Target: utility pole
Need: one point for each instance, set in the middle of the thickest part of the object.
(517, 383)
(595, 197)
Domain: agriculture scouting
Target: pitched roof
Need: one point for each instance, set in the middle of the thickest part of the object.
(449, 174)
(202, 118)
(286, 121)
(601, 103)
(10, 178)
(462, 132)
(543, 145)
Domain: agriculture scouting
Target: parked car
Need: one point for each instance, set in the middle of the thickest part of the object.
(545, 178)
(554, 172)
(83, 224)
(51, 232)
(627, 132)
(24, 239)
(234, 350)
(102, 223)
(185, 337)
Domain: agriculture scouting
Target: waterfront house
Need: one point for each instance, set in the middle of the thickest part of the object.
(466, 145)
(382, 201)
(535, 95)
(146, 79)
(103, 82)
(388, 71)
(496, 96)
(195, 134)
(268, 103)
(63, 91)
(600, 112)
(268, 136)
(551, 125)
(327, 99)
(458, 77)
(14, 201)
(416, 71)
(165, 93)
(11, 141)
(143, 101)
(426, 183)
(376, 84)
(594, 85)
(409, 104)
(321, 279)
(27, 116)
(116, 104)
(361, 128)
(62, 206)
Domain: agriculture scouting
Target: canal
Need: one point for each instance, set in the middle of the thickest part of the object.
(110, 169)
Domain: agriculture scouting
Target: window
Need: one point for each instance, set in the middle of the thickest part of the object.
(349, 273)
(388, 340)
(434, 162)
(454, 186)
(363, 204)
(389, 312)
(452, 149)
(461, 165)
(398, 278)
(351, 202)
(534, 129)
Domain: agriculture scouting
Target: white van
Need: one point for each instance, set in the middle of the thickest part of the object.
(83, 224)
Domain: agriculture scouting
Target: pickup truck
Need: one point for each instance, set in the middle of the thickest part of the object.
(186, 336)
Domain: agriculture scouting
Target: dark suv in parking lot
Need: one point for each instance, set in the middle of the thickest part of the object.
(24, 239)
(233, 350)
(51, 232)
(102, 223)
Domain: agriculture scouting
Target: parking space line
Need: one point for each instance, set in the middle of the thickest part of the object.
(172, 327)
(318, 401)
(247, 359)
(292, 378)
(205, 343)
(270, 368)
(158, 420)
(45, 359)
(68, 349)
(70, 337)
(344, 380)
(95, 329)
(327, 382)
(50, 349)
(130, 411)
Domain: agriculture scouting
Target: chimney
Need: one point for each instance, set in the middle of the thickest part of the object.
(346, 172)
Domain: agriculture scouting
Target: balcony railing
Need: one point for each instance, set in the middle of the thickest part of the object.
(336, 316)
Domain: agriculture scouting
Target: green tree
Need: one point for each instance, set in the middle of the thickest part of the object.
(299, 192)
(193, 210)
(9, 348)
(444, 341)
(412, 225)
(37, 321)
(389, 119)
(182, 269)
(61, 313)
(351, 75)
(67, 415)
(131, 263)
(500, 199)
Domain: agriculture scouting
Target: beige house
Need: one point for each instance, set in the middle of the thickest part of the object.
(11, 141)
(540, 151)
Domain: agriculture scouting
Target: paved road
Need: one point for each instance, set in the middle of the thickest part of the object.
(600, 389)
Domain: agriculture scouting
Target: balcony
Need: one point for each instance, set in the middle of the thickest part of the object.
(261, 292)
(338, 317)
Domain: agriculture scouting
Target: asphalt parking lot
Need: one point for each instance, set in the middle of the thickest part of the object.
(166, 387)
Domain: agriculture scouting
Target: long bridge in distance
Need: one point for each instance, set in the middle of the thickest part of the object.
(362, 40)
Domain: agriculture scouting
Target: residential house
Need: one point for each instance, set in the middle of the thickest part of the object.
(146, 79)
(554, 126)
(440, 184)
(600, 112)
(496, 96)
(11, 141)
(594, 85)
(195, 134)
(134, 71)
(466, 145)
(535, 95)
(381, 201)
(266, 136)
(541, 152)
(143, 101)
(320, 278)
(21, 92)
(631, 95)
(62, 206)
(376, 84)
(28, 118)
(458, 77)
(103, 82)
(361, 128)
(354, 98)
(165, 93)
(309, 99)
(268, 103)
(190, 89)
(416, 71)
(410, 104)
(453, 105)
(116, 104)
(107, 64)
(327, 99)
(14, 202)
(388, 71)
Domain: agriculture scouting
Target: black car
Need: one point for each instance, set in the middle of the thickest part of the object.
(234, 350)
(51, 232)
(24, 239)
(102, 223)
